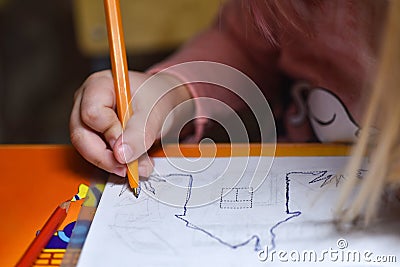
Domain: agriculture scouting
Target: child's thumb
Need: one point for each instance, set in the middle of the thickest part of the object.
(132, 143)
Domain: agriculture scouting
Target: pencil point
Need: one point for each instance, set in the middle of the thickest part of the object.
(65, 205)
(135, 192)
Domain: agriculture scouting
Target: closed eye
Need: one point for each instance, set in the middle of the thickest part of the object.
(325, 123)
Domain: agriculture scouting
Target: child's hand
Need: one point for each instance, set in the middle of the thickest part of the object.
(97, 133)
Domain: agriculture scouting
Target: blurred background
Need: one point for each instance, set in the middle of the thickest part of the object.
(48, 48)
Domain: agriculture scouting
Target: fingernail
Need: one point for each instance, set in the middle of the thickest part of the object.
(121, 171)
(125, 152)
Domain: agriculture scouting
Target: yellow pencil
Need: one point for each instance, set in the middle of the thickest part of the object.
(120, 75)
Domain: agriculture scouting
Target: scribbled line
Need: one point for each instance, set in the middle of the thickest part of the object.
(148, 186)
(293, 214)
(125, 187)
(320, 177)
(326, 179)
(190, 225)
(337, 178)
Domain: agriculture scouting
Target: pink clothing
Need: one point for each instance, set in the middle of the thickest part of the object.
(331, 44)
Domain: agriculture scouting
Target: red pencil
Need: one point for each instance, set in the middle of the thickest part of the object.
(37, 245)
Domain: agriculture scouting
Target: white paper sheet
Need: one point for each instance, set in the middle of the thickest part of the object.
(287, 220)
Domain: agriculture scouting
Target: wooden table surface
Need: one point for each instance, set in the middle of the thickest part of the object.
(37, 178)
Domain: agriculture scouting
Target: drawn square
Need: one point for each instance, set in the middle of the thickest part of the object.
(228, 194)
(236, 198)
(244, 194)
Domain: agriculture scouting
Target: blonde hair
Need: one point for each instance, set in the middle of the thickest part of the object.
(382, 147)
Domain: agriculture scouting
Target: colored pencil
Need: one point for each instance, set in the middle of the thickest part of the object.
(41, 240)
(120, 76)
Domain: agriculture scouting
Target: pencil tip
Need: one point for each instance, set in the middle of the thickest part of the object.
(136, 192)
(65, 205)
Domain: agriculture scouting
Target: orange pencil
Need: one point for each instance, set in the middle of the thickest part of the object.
(37, 245)
(120, 75)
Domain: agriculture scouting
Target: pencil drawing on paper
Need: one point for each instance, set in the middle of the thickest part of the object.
(292, 209)
(237, 199)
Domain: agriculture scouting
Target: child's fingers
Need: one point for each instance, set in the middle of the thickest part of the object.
(139, 135)
(90, 145)
(97, 108)
(94, 150)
